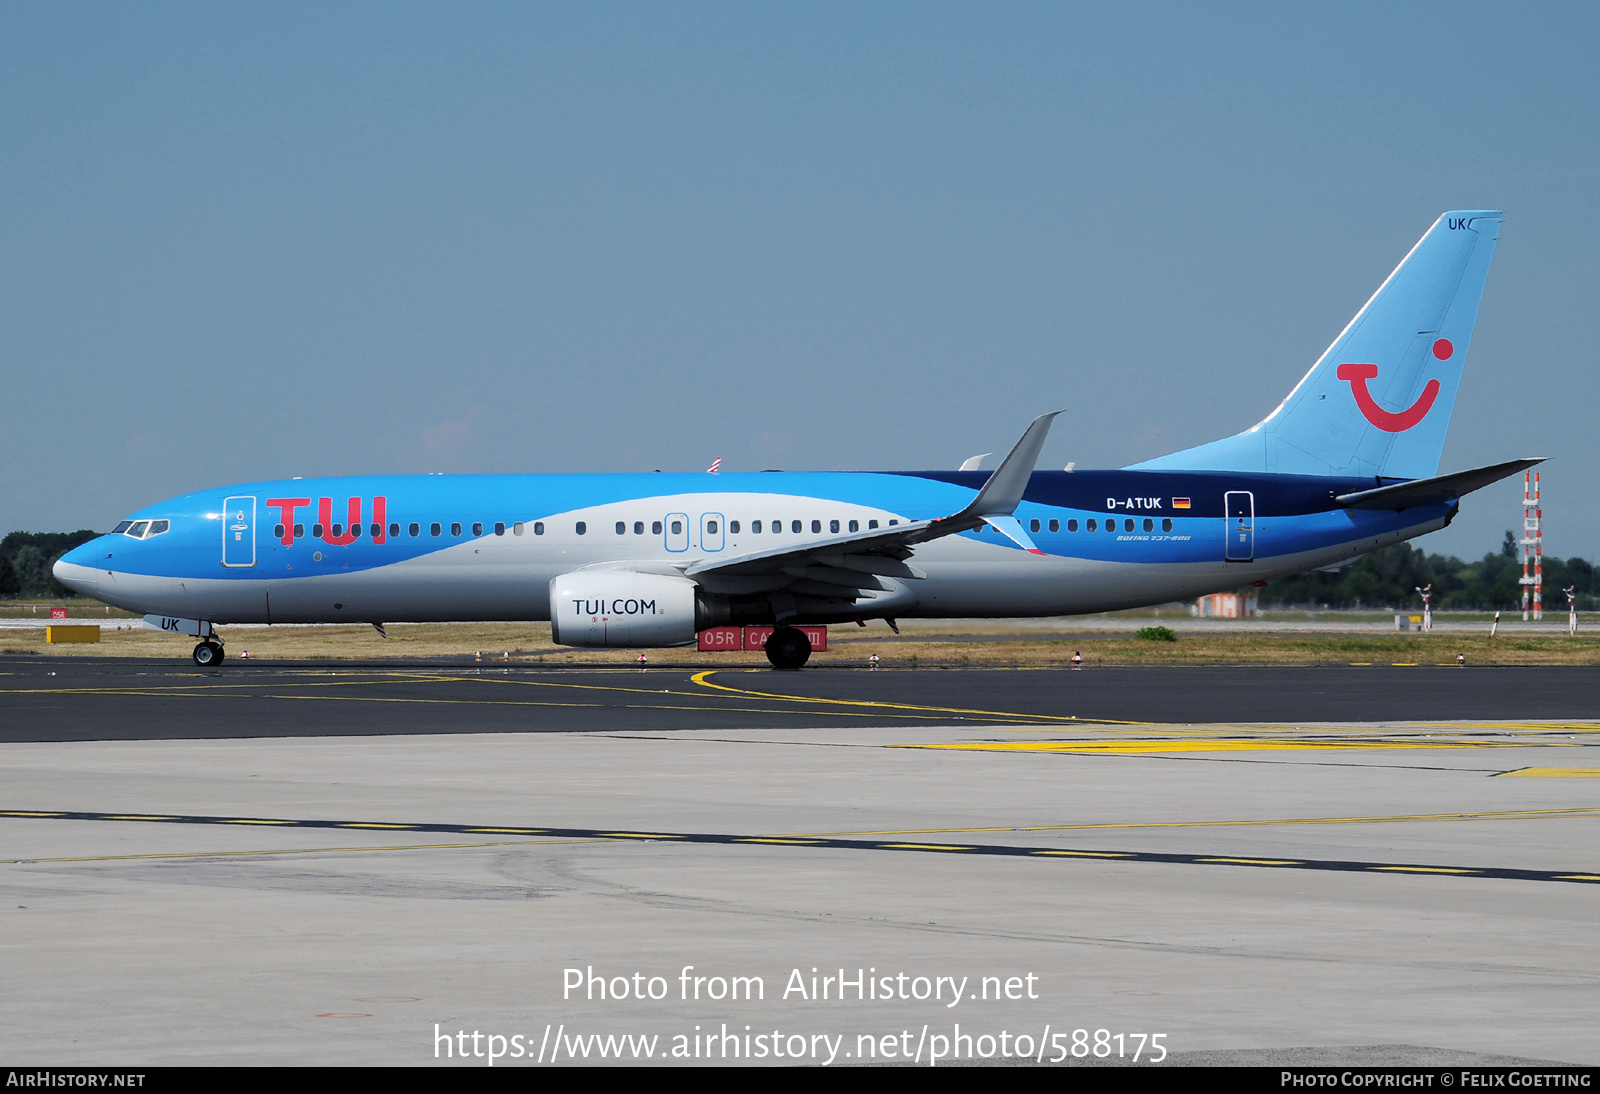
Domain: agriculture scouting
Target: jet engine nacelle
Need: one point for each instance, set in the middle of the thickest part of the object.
(621, 608)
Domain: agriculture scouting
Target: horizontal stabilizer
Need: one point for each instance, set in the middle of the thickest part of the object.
(1440, 488)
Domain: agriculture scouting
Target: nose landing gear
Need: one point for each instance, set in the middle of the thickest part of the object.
(208, 654)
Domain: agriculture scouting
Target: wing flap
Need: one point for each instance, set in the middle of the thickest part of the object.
(833, 576)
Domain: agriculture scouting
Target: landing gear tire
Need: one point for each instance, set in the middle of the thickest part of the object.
(208, 655)
(788, 649)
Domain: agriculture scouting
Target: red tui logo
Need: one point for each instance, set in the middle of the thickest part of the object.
(1359, 374)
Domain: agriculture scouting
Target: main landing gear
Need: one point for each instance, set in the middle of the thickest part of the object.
(788, 648)
(208, 654)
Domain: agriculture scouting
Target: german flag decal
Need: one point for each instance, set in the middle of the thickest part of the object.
(1180, 503)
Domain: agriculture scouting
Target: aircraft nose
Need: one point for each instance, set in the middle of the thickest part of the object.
(76, 568)
(81, 555)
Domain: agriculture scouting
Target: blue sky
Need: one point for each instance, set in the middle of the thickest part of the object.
(248, 242)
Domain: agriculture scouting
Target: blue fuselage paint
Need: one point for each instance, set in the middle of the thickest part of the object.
(486, 546)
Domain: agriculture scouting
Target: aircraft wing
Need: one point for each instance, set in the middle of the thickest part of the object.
(1440, 488)
(838, 568)
(846, 567)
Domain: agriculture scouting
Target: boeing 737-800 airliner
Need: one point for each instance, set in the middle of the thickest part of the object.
(1346, 464)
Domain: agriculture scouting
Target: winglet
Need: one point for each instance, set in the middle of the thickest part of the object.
(1011, 528)
(1002, 494)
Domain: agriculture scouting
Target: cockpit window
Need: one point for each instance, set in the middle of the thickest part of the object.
(142, 529)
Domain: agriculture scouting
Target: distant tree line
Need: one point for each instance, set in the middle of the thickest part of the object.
(1389, 578)
(26, 559)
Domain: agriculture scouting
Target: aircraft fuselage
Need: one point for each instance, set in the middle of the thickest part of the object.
(486, 547)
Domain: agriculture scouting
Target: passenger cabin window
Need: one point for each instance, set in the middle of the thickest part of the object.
(455, 528)
(1072, 526)
(1127, 525)
(733, 527)
(855, 526)
(377, 530)
(655, 528)
(538, 527)
(622, 527)
(892, 523)
(1055, 525)
(277, 531)
(434, 529)
(1166, 524)
(833, 526)
(499, 528)
(477, 527)
(516, 529)
(872, 524)
(394, 531)
(299, 531)
(583, 527)
(1033, 525)
(415, 530)
(316, 530)
(816, 526)
(1094, 525)
(638, 527)
(794, 526)
(755, 526)
(355, 531)
(338, 530)
(1149, 525)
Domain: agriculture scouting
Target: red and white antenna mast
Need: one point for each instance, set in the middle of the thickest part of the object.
(1532, 548)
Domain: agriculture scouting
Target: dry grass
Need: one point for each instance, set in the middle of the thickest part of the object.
(1211, 648)
(847, 645)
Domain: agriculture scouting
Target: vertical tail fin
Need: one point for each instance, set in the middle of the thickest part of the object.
(1378, 401)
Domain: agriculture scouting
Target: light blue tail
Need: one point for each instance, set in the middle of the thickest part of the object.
(1378, 402)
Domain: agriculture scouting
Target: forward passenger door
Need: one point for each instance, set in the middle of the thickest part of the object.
(239, 531)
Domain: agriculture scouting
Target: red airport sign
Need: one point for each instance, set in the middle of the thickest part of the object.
(729, 639)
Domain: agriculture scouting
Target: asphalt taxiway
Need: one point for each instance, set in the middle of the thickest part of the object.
(318, 863)
(63, 699)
